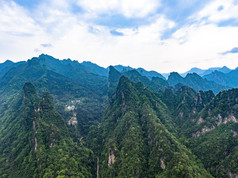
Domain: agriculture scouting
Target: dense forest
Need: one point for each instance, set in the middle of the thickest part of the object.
(61, 118)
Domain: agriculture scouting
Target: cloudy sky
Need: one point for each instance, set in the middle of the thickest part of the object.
(159, 35)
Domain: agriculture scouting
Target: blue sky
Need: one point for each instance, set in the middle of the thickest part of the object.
(159, 35)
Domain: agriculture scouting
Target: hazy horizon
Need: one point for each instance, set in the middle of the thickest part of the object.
(130, 66)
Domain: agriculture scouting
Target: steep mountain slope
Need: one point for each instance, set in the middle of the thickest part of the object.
(185, 104)
(195, 81)
(215, 139)
(207, 124)
(136, 141)
(174, 78)
(113, 79)
(35, 141)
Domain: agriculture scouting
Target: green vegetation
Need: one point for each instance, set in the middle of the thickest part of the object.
(36, 143)
(66, 119)
(136, 141)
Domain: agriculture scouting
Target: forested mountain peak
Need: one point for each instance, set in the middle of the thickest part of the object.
(7, 62)
(174, 75)
(38, 141)
(193, 75)
(174, 78)
(137, 143)
(123, 83)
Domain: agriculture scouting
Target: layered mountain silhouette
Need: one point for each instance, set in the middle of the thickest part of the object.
(143, 72)
(62, 118)
(226, 79)
(203, 72)
(195, 81)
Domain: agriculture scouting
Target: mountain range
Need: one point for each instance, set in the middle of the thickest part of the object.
(62, 118)
(203, 72)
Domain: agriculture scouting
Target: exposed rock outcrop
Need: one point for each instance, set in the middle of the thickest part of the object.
(73, 120)
(204, 130)
(200, 120)
(36, 144)
(162, 165)
(111, 158)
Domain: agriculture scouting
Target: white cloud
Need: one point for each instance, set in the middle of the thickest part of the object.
(14, 19)
(18, 32)
(202, 46)
(128, 8)
(22, 32)
(229, 10)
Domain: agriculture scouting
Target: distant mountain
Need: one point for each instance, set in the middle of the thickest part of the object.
(203, 72)
(224, 69)
(227, 79)
(174, 78)
(122, 68)
(195, 81)
(165, 75)
(94, 68)
(143, 72)
(7, 65)
(149, 74)
(194, 70)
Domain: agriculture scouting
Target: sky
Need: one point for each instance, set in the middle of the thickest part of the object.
(159, 35)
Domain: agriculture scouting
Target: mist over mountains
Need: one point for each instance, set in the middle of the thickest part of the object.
(62, 118)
